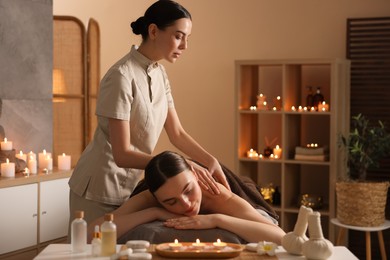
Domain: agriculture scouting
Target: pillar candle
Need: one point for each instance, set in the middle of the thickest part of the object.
(21, 156)
(32, 155)
(6, 145)
(47, 163)
(8, 169)
(64, 162)
(32, 164)
(42, 159)
(277, 152)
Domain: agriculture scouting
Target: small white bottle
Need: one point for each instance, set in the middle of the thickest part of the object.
(96, 242)
(79, 233)
(108, 229)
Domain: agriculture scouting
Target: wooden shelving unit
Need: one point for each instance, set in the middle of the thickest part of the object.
(289, 80)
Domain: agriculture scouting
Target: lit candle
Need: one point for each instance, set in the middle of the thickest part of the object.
(6, 145)
(32, 155)
(48, 163)
(8, 169)
(277, 152)
(300, 109)
(293, 108)
(274, 109)
(312, 109)
(278, 103)
(253, 108)
(176, 245)
(323, 107)
(260, 156)
(21, 156)
(42, 159)
(252, 153)
(198, 244)
(64, 162)
(32, 164)
(219, 244)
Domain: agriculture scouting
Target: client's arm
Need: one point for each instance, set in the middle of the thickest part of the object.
(137, 210)
(232, 213)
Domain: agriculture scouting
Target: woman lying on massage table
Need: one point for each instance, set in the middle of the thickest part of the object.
(175, 197)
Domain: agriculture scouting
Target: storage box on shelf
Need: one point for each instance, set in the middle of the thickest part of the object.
(291, 127)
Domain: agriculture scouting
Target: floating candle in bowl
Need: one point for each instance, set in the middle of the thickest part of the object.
(198, 244)
(176, 245)
(219, 244)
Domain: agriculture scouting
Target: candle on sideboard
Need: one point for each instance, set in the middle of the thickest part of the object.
(6, 145)
(32, 164)
(21, 156)
(47, 163)
(64, 162)
(42, 159)
(8, 169)
(32, 155)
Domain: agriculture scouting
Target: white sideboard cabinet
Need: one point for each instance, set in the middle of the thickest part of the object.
(18, 217)
(34, 212)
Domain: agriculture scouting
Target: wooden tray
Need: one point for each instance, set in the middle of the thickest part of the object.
(188, 251)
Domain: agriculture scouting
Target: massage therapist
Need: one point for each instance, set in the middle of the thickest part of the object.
(134, 104)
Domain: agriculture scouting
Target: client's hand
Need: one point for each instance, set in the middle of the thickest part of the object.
(163, 214)
(195, 222)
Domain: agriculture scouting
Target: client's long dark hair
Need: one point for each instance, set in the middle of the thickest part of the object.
(162, 167)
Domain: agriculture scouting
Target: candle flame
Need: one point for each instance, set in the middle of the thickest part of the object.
(197, 241)
(176, 241)
(5, 139)
(7, 161)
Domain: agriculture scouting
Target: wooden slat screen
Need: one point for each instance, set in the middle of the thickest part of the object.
(368, 48)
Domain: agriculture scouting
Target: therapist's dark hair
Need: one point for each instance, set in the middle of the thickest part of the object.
(162, 167)
(162, 13)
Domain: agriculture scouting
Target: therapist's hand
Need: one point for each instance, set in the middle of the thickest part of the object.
(207, 179)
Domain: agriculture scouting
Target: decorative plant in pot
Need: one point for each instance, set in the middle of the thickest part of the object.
(359, 202)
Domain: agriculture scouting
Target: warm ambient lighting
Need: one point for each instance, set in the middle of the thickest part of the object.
(59, 87)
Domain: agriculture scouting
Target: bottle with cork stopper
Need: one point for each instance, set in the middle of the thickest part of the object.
(79, 232)
(108, 229)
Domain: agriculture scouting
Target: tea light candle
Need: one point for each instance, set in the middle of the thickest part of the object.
(64, 162)
(300, 108)
(41, 159)
(8, 169)
(21, 156)
(253, 108)
(198, 244)
(6, 145)
(293, 108)
(176, 245)
(277, 152)
(219, 244)
(32, 164)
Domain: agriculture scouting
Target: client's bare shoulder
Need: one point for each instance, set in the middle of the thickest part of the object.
(216, 203)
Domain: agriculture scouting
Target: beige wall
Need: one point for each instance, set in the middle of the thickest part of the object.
(224, 31)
